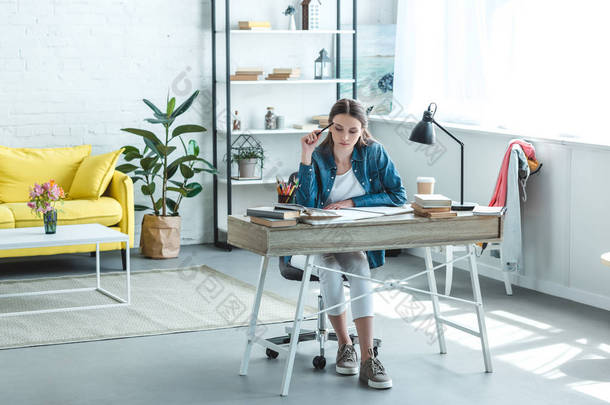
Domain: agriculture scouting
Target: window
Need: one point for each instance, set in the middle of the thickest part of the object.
(534, 66)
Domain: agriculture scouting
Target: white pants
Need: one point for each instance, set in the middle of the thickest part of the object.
(331, 283)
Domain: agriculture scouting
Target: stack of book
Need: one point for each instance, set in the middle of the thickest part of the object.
(272, 217)
(322, 120)
(254, 25)
(247, 73)
(432, 206)
(284, 74)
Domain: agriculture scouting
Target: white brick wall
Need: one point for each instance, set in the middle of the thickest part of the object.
(75, 71)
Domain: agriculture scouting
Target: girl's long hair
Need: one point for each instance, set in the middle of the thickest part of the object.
(354, 109)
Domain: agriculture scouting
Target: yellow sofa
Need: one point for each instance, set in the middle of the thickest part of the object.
(115, 208)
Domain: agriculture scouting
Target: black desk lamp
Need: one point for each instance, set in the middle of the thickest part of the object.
(423, 132)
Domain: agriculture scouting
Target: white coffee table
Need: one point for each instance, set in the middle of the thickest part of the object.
(66, 235)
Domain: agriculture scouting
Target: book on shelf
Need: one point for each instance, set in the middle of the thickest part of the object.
(287, 70)
(248, 25)
(273, 222)
(271, 212)
(242, 77)
(432, 200)
(488, 211)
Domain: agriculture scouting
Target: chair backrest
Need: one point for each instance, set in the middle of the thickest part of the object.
(290, 272)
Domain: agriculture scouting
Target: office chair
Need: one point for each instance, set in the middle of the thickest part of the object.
(321, 334)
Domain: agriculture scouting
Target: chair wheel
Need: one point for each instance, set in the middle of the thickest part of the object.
(319, 362)
(272, 354)
(376, 351)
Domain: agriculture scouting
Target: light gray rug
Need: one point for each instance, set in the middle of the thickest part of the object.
(163, 301)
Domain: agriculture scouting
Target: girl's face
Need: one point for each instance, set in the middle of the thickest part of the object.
(346, 131)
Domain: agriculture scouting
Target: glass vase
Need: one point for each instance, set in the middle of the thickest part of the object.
(50, 221)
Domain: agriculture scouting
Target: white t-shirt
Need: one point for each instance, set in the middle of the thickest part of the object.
(346, 186)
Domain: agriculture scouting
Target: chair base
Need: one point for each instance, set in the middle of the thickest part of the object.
(321, 334)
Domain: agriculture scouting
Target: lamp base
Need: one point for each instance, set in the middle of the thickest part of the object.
(467, 206)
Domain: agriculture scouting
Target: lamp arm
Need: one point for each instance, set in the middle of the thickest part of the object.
(461, 160)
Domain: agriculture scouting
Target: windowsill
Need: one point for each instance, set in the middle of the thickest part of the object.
(479, 130)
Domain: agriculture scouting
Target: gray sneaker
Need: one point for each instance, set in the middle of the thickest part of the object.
(374, 374)
(347, 360)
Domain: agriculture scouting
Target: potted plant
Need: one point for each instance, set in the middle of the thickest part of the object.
(166, 167)
(247, 158)
(43, 198)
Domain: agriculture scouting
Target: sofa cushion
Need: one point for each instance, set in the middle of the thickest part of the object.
(94, 175)
(20, 168)
(6, 218)
(106, 211)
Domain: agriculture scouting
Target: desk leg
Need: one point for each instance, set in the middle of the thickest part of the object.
(254, 316)
(476, 292)
(435, 304)
(296, 327)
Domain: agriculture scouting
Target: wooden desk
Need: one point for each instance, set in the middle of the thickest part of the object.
(388, 232)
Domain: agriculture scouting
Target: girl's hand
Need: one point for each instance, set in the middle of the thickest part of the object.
(340, 204)
(308, 144)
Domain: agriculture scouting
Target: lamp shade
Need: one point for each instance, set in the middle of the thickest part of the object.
(423, 132)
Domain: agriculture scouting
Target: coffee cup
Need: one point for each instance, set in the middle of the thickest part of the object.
(425, 185)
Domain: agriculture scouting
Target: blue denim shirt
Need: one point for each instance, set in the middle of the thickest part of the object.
(374, 170)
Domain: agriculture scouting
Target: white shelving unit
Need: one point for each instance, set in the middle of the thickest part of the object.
(288, 81)
(229, 34)
(287, 32)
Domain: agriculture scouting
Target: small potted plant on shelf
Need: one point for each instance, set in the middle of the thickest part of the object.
(160, 237)
(290, 10)
(247, 158)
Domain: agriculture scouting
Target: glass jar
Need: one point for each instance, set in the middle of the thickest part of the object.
(270, 119)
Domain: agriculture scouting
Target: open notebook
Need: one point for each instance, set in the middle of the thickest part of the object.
(327, 217)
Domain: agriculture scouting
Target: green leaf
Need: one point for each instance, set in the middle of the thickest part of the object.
(170, 106)
(181, 160)
(136, 178)
(140, 172)
(126, 168)
(148, 189)
(186, 171)
(193, 148)
(156, 169)
(171, 204)
(183, 129)
(193, 189)
(166, 150)
(147, 163)
(185, 106)
(153, 147)
(171, 171)
(163, 120)
(153, 107)
(139, 207)
(199, 170)
(178, 190)
(176, 183)
(128, 149)
(143, 133)
(211, 166)
(129, 156)
(159, 203)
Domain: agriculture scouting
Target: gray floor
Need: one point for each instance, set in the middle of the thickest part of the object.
(546, 350)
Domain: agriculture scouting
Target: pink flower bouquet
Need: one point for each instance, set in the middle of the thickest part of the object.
(43, 197)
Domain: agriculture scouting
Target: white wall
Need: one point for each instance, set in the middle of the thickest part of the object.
(74, 72)
(565, 219)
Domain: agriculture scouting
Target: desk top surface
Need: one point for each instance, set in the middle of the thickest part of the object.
(386, 232)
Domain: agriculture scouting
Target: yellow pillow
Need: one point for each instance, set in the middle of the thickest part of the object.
(20, 168)
(93, 176)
